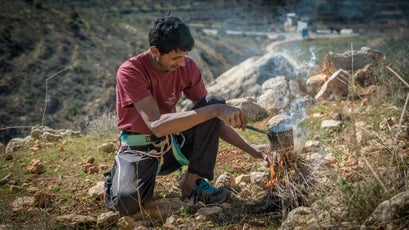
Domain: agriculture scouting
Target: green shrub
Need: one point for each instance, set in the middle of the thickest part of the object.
(104, 126)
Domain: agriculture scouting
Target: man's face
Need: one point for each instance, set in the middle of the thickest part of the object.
(170, 61)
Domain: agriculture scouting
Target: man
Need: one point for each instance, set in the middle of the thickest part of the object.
(157, 140)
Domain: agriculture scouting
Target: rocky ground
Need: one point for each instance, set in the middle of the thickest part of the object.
(348, 168)
(53, 180)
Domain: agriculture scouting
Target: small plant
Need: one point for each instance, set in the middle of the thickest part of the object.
(359, 201)
(103, 126)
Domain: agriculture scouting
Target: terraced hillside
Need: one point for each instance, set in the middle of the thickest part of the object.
(76, 46)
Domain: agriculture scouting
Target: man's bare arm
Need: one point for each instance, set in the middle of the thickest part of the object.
(164, 124)
(231, 136)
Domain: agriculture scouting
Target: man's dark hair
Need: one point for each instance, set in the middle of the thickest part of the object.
(170, 33)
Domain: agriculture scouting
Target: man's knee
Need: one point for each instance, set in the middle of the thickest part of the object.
(128, 203)
(214, 99)
(210, 99)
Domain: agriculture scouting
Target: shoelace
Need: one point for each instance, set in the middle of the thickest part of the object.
(204, 186)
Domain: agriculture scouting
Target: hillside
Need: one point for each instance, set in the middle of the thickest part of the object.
(87, 44)
(76, 46)
(348, 174)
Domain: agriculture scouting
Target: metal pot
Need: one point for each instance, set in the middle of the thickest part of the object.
(281, 137)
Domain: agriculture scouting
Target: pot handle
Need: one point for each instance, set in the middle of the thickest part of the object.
(257, 129)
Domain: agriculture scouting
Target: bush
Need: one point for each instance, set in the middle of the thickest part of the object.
(104, 126)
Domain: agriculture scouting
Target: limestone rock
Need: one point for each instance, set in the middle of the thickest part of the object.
(243, 178)
(35, 167)
(97, 191)
(21, 203)
(390, 214)
(107, 147)
(314, 83)
(160, 208)
(336, 87)
(361, 58)
(226, 180)
(275, 94)
(245, 79)
(107, 219)
(6, 179)
(249, 107)
(330, 124)
(74, 220)
(16, 144)
(259, 177)
(297, 217)
(207, 212)
(43, 199)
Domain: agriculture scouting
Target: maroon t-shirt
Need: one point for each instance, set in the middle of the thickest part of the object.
(137, 78)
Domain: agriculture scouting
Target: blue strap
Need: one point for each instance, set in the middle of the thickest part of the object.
(135, 139)
(177, 153)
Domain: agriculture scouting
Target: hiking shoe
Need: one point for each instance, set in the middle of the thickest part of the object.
(208, 194)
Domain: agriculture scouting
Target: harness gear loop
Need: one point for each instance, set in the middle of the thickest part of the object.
(169, 142)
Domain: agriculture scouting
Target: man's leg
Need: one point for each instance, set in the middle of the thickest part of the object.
(201, 148)
(133, 181)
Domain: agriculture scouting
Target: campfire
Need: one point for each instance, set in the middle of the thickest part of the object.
(290, 175)
(281, 145)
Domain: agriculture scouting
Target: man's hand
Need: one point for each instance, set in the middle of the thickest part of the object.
(262, 152)
(232, 116)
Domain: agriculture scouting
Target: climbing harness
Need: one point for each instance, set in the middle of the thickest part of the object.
(161, 146)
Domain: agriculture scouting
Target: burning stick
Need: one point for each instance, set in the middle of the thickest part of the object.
(290, 175)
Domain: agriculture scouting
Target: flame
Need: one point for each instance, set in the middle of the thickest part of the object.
(277, 167)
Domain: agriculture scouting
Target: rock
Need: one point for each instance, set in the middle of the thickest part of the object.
(89, 160)
(245, 79)
(33, 189)
(243, 178)
(107, 219)
(6, 179)
(311, 145)
(361, 58)
(330, 124)
(51, 136)
(249, 107)
(15, 188)
(279, 120)
(314, 83)
(107, 147)
(35, 148)
(16, 144)
(97, 191)
(35, 167)
(43, 199)
(171, 222)
(297, 87)
(22, 203)
(226, 180)
(390, 214)
(74, 220)
(275, 94)
(365, 76)
(298, 217)
(160, 208)
(208, 212)
(44, 132)
(90, 168)
(128, 223)
(259, 177)
(336, 87)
